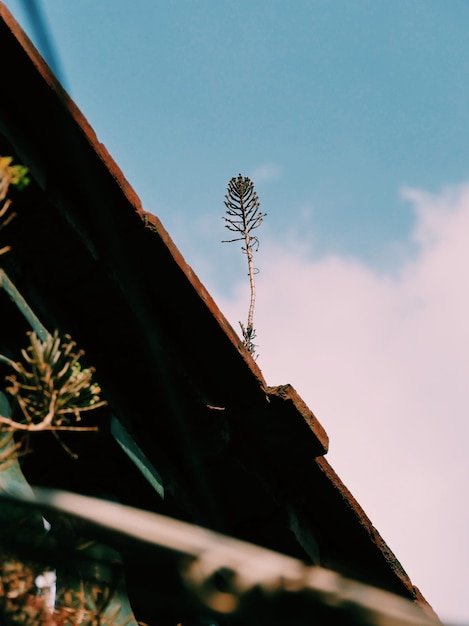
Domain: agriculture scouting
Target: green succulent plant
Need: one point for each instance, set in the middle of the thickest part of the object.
(50, 386)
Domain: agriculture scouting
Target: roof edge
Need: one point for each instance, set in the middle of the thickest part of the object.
(149, 220)
(374, 536)
(291, 397)
(54, 84)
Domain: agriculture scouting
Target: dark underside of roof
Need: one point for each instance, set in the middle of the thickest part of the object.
(233, 454)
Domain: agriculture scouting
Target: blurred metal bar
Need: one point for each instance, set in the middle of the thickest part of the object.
(227, 576)
(23, 306)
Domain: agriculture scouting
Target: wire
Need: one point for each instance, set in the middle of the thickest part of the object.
(33, 10)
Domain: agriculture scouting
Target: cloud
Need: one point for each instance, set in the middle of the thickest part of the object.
(266, 172)
(383, 361)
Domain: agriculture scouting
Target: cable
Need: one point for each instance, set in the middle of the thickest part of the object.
(44, 40)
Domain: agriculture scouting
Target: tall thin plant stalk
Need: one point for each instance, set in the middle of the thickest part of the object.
(243, 216)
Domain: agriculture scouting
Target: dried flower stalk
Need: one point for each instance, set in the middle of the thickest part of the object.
(242, 207)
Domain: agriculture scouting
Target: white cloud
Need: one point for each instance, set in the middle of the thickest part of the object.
(266, 172)
(383, 361)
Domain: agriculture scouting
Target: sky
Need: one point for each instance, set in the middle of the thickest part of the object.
(352, 119)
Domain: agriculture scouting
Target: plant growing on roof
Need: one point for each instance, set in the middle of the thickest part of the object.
(242, 208)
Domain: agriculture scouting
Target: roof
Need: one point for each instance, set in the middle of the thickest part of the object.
(232, 453)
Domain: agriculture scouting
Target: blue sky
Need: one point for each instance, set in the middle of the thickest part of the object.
(345, 101)
(352, 118)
